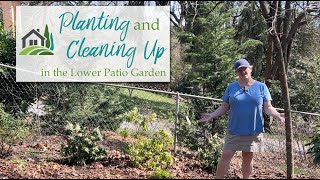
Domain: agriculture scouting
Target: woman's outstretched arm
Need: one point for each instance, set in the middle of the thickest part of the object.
(222, 110)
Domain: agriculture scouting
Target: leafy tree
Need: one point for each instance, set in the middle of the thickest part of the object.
(251, 26)
(1, 16)
(46, 35)
(303, 74)
(7, 47)
(208, 38)
(52, 43)
(251, 29)
(16, 97)
(283, 23)
(211, 48)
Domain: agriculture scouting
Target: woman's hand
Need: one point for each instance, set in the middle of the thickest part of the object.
(206, 117)
(222, 109)
(282, 118)
(271, 111)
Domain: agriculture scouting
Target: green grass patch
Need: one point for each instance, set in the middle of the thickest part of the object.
(161, 104)
(26, 50)
(35, 50)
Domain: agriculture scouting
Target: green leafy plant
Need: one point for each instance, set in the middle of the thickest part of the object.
(12, 131)
(210, 152)
(81, 146)
(314, 150)
(161, 174)
(136, 118)
(125, 132)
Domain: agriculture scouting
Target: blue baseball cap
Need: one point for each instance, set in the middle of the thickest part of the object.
(241, 63)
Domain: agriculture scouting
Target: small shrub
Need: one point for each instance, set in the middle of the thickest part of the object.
(152, 152)
(314, 150)
(191, 134)
(161, 174)
(210, 153)
(81, 146)
(12, 131)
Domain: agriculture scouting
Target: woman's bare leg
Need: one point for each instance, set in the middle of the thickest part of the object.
(224, 163)
(247, 164)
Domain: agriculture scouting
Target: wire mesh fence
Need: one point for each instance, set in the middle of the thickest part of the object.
(47, 107)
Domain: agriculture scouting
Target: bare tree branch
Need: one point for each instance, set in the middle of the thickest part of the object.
(302, 23)
(110, 3)
(274, 20)
(195, 13)
(294, 27)
(264, 9)
(286, 18)
(175, 24)
(279, 17)
(269, 16)
(214, 7)
(175, 16)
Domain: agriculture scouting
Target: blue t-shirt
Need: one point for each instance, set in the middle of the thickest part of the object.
(245, 116)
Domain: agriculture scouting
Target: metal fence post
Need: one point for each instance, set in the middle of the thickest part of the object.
(175, 124)
(36, 101)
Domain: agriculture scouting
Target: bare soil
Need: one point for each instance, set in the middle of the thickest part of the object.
(40, 158)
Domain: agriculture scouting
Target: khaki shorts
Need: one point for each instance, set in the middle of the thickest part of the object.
(247, 143)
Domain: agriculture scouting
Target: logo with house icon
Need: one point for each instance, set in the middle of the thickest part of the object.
(33, 43)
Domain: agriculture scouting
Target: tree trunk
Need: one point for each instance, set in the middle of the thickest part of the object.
(268, 72)
(286, 100)
(281, 45)
(268, 77)
(288, 122)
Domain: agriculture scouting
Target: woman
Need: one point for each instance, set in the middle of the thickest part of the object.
(245, 99)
